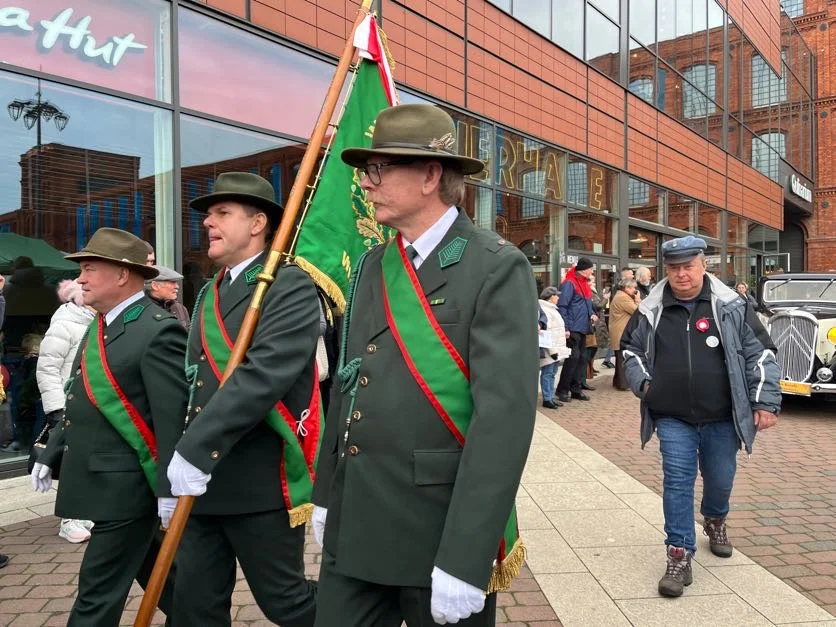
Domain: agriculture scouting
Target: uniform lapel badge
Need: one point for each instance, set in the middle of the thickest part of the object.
(252, 274)
(437, 301)
(702, 325)
(133, 313)
(452, 253)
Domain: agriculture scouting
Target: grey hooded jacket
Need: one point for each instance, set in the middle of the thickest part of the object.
(753, 370)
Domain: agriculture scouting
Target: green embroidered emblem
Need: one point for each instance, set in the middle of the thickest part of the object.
(437, 301)
(252, 274)
(452, 253)
(133, 313)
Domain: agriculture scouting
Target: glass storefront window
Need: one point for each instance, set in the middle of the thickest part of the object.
(738, 266)
(108, 163)
(602, 44)
(681, 212)
(222, 67)
(526, 165)
(119, 45)
(643, 249)
(475, 140)
(737, 230)
(708, 224)
(591, 185)
(592, 233)
(479, 206)
(209, 149)
(646, 202)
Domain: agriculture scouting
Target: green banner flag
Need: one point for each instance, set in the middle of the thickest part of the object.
(340, 224)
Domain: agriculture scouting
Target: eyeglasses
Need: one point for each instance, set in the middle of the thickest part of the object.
(372, 170)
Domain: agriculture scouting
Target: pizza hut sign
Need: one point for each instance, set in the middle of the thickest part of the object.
(76, 35)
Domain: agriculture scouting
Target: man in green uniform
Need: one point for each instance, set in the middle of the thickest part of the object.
(433, 413)
(257, 437)
(125, 408)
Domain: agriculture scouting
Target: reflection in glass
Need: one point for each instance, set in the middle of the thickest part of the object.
(767, 87)
(610, 8)
(643, 88)
(592, 232)
(737, 229)
(681, 212)
(518, 155)
(646, 202)
(534, 182)
(643, 249)
(643, 21)
(602, 44)
(709, 222)
(576, 183)
(567, 25)
(220, 64)
(535, 14)
(694, 103)
(766, 149)
(666, 19)
(641, 72)
(479, 206)
(793, 8)
(209, 149)
(505, 5)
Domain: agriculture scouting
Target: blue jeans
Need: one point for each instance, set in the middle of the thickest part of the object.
(711, 447)
(547, 374)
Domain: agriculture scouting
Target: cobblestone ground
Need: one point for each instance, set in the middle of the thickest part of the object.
(784, 501)
(38, 586)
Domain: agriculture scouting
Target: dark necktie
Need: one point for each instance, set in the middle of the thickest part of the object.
(226, 282)
(411, 254)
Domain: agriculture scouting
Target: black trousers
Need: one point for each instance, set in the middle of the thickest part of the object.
(271, 555)
(348, 602)
(118, 552)
(570, 374)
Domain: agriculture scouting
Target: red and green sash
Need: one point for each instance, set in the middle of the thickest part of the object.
(107, 396)
(442, 375)
(300, 438)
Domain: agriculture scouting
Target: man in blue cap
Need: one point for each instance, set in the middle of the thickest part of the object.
(708, 381)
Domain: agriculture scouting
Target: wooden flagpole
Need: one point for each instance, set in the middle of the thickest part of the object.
(245, 335)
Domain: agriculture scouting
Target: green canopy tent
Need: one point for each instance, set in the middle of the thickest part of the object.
(43, 256)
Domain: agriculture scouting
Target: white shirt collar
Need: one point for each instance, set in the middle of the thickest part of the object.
(430, 238)
(239, 268)
(111, 315)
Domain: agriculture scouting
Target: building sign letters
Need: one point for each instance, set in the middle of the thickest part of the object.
(75, 36)
(800, 189)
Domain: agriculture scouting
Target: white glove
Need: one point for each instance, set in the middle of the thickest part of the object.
(453, 599)
(186, 479)
(165, 509)
(41, 478)
(319, 515)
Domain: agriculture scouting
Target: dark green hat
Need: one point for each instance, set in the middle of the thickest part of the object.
(243, 187)
(119, 247)
(413, 130)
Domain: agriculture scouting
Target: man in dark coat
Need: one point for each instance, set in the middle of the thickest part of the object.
(245, 442)
(124, 413)
(421, 459)
(576, 309)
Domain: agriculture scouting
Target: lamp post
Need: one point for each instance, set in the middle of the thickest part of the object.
(33, 111)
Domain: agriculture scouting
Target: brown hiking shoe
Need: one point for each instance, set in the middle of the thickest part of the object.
(678, 573)
(718, 541)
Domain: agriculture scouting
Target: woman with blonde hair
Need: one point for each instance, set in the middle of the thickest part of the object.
(58, 348)
(624, 304)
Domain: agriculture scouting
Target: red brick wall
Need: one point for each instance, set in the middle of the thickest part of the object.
(521, 80)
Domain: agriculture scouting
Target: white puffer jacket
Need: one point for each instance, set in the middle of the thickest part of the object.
(58, 349)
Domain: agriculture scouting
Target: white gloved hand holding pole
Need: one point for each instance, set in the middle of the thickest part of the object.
(318, 520)
(165, 509)
(185, 478)
(41, 477)
(452, 599)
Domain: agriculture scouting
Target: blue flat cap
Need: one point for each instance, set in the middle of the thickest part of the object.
(682, 249)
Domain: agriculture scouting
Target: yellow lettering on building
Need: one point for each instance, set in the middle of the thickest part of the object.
(553, 187)
(596, 187)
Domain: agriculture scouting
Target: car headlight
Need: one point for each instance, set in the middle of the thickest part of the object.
(831, 335)
(825, 375)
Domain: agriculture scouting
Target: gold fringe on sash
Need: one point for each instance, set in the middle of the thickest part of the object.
(325, 282)
(504, 573)
(301, 514)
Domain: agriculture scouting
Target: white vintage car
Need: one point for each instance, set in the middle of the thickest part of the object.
(801, 319)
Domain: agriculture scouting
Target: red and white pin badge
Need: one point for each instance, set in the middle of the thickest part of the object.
(702, 325)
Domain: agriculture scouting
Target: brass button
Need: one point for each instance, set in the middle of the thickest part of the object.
(104, 336)
(364, 381)
(66, 424)
(353, 450)
(202, 357)
(158, 316)
(199, 384)
(371, 348)
(214, 455)
(356, 415)
(197, 409)
(78, 371)
(69, 397)
(66, 448)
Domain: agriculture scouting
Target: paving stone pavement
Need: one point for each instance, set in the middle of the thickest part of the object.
(784, 500)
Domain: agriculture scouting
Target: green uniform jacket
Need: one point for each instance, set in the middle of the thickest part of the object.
(227, 435)
(101, 478)
(402, 495)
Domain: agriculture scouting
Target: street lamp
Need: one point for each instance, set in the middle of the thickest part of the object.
(33, 111)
